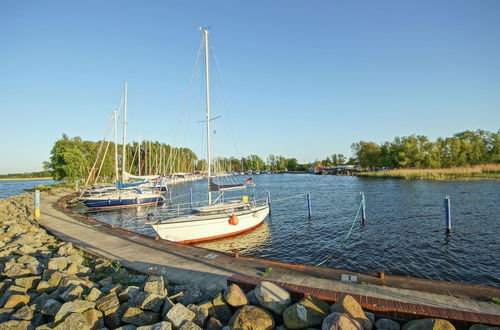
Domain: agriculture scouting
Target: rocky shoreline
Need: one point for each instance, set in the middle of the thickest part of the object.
(46, 283)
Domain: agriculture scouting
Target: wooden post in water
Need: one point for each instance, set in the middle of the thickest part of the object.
(309, 207)
(170, 195)
(37, 204)
(447, 210)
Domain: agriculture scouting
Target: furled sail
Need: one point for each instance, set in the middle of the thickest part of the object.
(120, 185)
(221, 187)
(128, 176)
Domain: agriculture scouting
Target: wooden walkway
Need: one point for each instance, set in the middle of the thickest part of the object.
(211, 270)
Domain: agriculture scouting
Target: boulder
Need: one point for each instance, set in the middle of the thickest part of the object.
(73, 321)
(309, 311)
(478, 326)
(57, 263)
(121, 276)
(428, 324)
(94, 319)
(167, 305)
(340, 321)
(23, 313)
(139, 317)
(72, 292)
(208, 305)
(44, 286)
(94, 294)
(38, 303)
(192, 294)
(387, 324)
(76, 306)
(370, 317)
(148, 301)
(127, 327)
(108, 304)
(234, 296)
(188, 325)
(163, 325)
(272, 297)
(348, 305)
(179, 314)
(66, 249)
(16, 300)
(201, 314)
(156, 285)
(28, 282)
(51, 307)
(16, 325)
(252, 299)
(213, 324)
(55, 278)
(251, 317)
(221, 309)
(112, 321)
(128, 293)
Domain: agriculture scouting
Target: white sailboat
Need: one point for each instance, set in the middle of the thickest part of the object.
(218, 218)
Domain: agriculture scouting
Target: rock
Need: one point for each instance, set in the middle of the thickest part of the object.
(127, 327)
(221, 309)
(201, 314)
(208, 305)
(16, 325)
(58, 263)
(16, 271)
(478, 326)
(72, 293)
(121, 276)
(94, 318)
(188, 325)
(148, 301)
(370, 317)
(167, 305)
(16, 300)
(234, 296)
(138, 279)
(108, 304)
(23, 313)
(192, 294)
(44, 286)
(179, 314)
(26, 249)
(387, 324)
(272, 297)
(94, 294)
(251, 317)
(157, 326)
(27, 260)
(112, 320)
(340, 321)
(139, 317)
(252, 299)
(428, 324)
(213, 324)
(309, 311)
(71, 269)
(116, 288)
(66, 249)
(38, 303)
(106, 281)
(28, 282)
(73, 321)
(55, 278)
(51, 307)
(76, 306)
(75, 259)
(348, 305)
(128, 293)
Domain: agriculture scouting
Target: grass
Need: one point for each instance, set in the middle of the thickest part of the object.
(477, 172)
(495, 300)
(53, 186)
(266, 272)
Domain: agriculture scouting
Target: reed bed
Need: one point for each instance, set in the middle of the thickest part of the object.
(477, 172)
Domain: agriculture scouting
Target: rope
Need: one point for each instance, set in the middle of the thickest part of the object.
(348, 234)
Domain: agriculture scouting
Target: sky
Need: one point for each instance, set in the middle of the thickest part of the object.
(301, 79)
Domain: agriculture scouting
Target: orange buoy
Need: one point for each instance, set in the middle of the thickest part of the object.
(233, 220)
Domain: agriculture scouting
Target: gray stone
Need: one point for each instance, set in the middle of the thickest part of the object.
(370, 317)
(251, 317)
(167, 305)
(72, 292)
(179, 314)
(428, 324)
(121, 276)
(23, 313)
(234, 296)
(308, 312)
(340, 321)
(108, 304)
(213, 324)
(221, 309)
(44, 286)
(51, 307)
(58, 263)
(94, 294)
(16, 325)
(106, 281)
(189, 325)
(5, 314)
(112, 320)
(116, 288)
(387, 324)
(192, 295)
(148, 301)
(272, 297)
(128, 293)
(39, 302)
(479, 326)
(163, 325)
(139, 317)
(208, 305)
(252, 299)
(94, 318)
(201, 314)
(127, 327)
(73, 321)
(138, 279)
(76, 306)
(348, 305)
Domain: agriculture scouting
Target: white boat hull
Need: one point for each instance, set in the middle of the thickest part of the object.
(193, 228)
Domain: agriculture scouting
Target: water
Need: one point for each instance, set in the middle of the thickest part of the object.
(16, 187)
(404, 233)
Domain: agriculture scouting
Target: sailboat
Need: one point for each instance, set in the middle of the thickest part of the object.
(218, 218)
(123, 194)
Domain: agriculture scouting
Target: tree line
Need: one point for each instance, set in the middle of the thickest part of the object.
(417, 151)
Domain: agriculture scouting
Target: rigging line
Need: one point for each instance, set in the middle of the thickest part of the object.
(347, 236)
(219, 75)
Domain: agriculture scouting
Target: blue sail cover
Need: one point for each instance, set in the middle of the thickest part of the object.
(120, 185)
(221, 187)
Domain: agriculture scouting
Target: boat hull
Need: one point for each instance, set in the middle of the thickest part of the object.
(110, 203)
(192, 230)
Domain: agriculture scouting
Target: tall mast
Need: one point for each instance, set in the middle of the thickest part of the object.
(124, 131)
(139, 158)
(116, 147)
(207, 83)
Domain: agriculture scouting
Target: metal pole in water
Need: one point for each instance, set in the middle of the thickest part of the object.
(447, 210)
(37, 204)
(191, 197)
(309, 208)
(363, 208)
(170, 195)
(269, 201)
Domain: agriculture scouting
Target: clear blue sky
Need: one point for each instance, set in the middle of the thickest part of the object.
(302, 79)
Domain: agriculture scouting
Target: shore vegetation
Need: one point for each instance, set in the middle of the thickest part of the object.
(477, 172)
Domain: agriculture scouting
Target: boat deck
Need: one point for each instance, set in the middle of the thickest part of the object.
(211, 270)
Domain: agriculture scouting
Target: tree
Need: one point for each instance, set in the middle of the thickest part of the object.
(367, 153)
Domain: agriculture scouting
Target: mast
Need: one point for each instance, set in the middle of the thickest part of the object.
(139, 158)
(124, 131)
(116, 147)
(207, 83)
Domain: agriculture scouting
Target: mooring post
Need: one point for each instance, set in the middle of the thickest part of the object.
(309, 208)
(170, 195)
(363, 208)
(269, 201)
(37, 204)
(447, 210)
(191, 197)
(76, 184)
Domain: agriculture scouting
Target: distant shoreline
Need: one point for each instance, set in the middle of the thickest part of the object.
(26, 179)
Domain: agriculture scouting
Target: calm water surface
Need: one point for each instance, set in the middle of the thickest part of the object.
(404, 233)
(16, 187)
